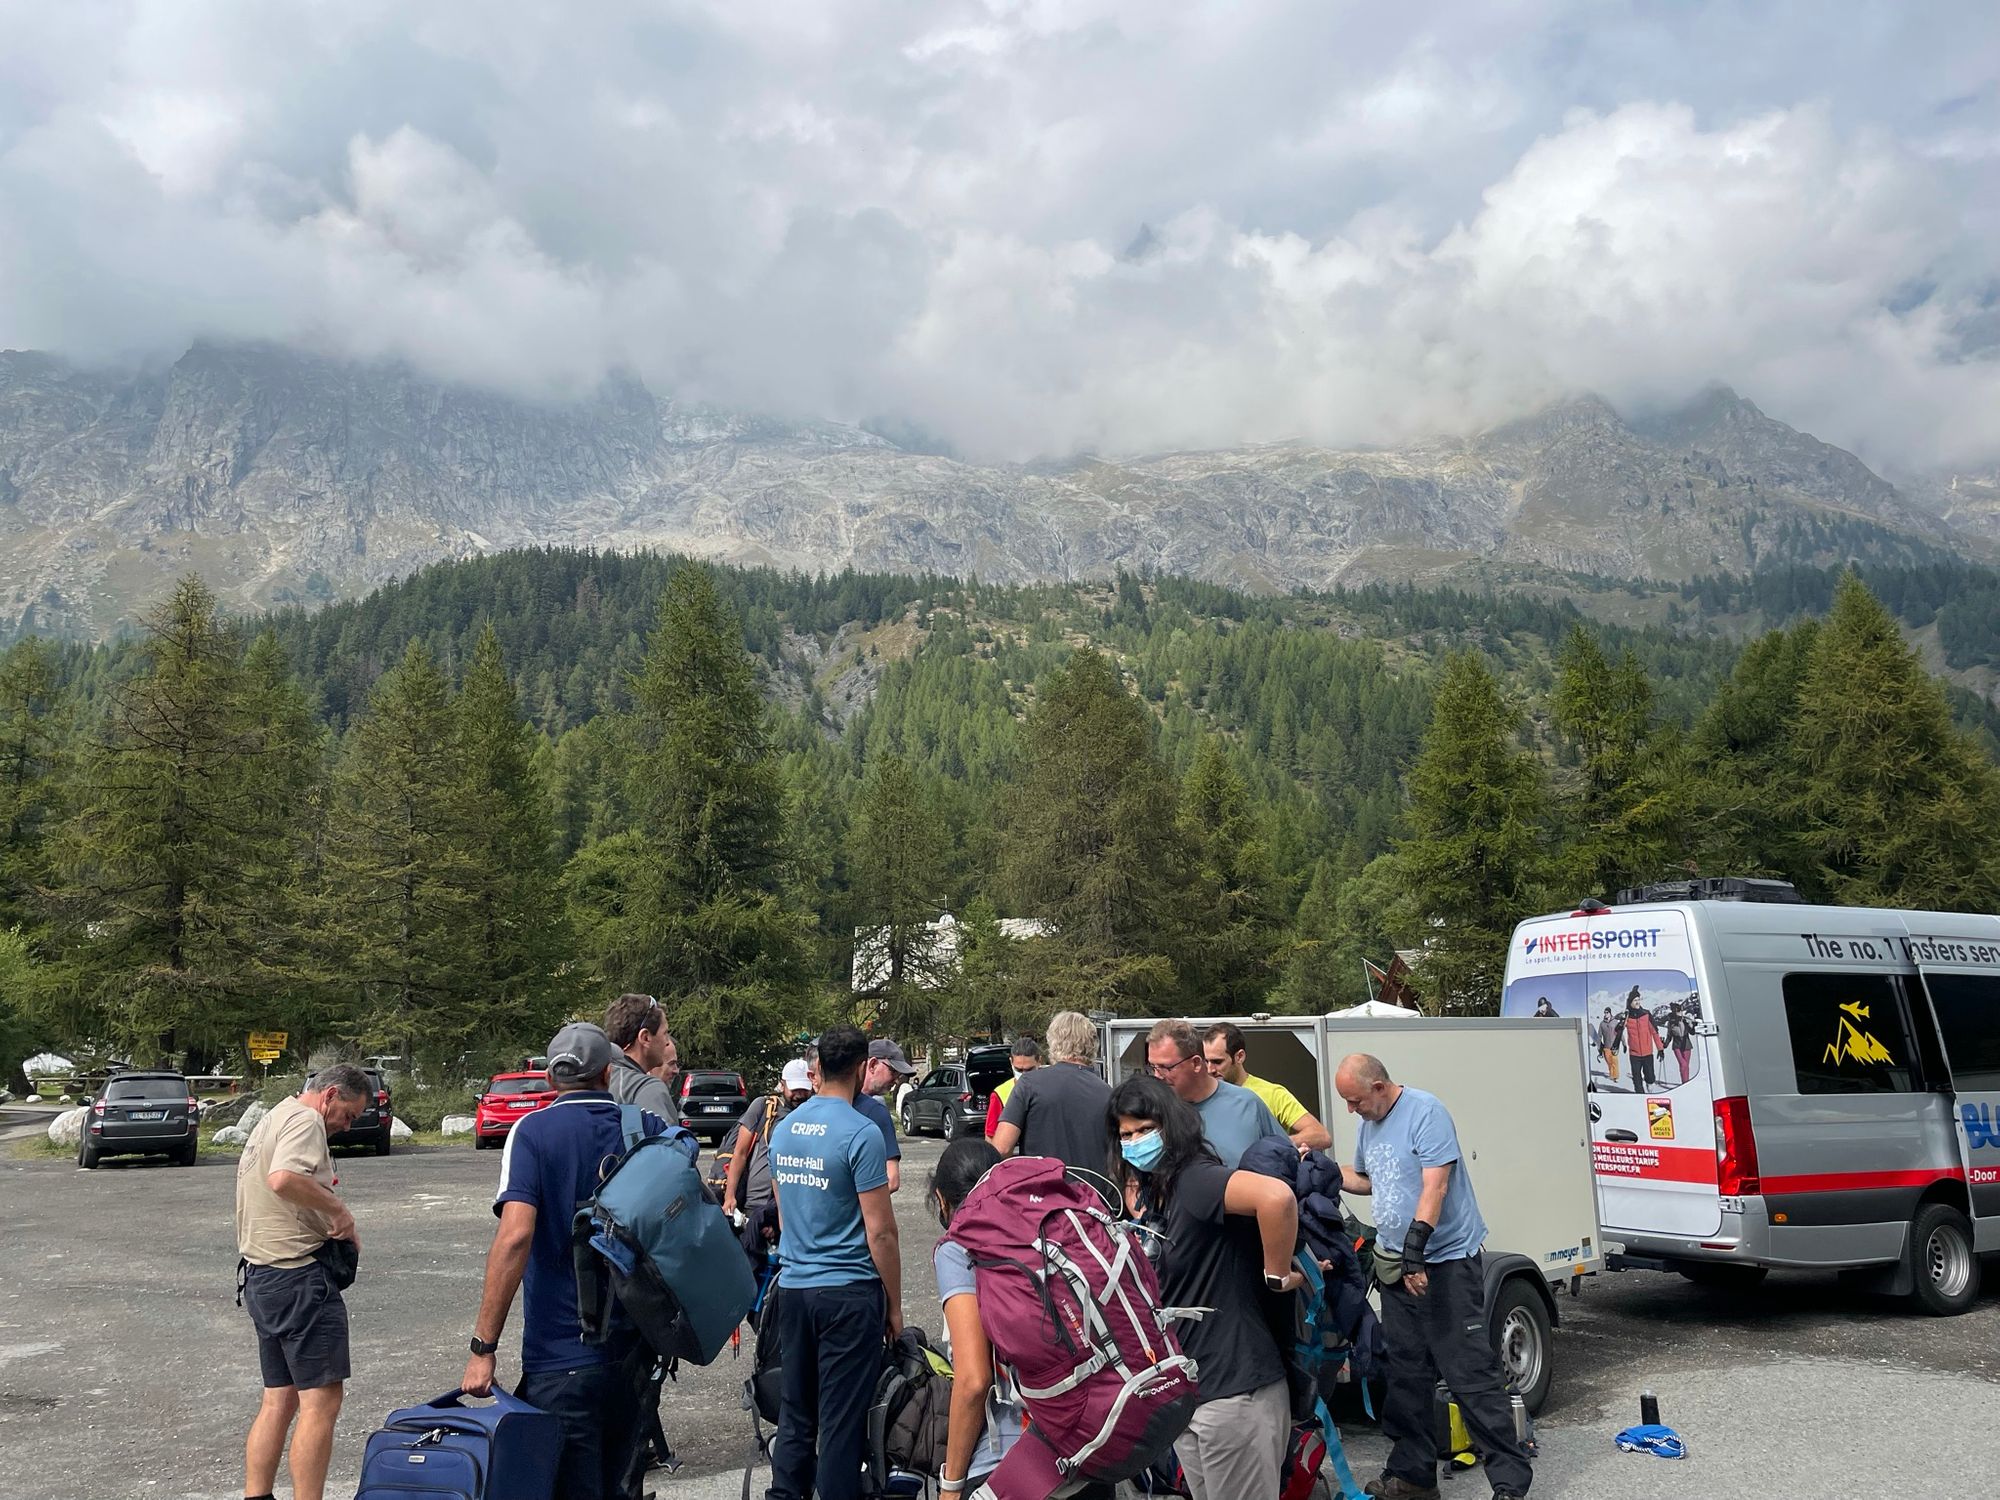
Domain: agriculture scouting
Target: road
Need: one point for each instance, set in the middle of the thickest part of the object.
(126, 1369)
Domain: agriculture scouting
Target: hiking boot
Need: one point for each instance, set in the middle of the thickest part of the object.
(1395, 1487)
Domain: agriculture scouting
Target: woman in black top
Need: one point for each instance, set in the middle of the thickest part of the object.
(1227, 1237)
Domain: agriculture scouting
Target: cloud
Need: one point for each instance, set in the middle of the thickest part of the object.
(1027, 227)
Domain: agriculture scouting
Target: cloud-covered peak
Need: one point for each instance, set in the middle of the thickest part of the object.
(1027, 227)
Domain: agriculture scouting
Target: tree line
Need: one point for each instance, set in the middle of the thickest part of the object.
(362, 828)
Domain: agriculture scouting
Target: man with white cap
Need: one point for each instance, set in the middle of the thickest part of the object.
(548, 1171)
(749, 1182)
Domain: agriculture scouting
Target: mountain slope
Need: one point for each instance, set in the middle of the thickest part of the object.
(286, 477)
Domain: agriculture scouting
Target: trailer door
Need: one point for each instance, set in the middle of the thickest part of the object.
(1964, 996)
(1649, 1058)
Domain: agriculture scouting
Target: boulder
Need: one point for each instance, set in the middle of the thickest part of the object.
(456, 1125)
(398, 1131)
(251, 1116)
(6, 1097)
(230, 1135)
(64, 1099)
(66, 1129)
(229, 1111)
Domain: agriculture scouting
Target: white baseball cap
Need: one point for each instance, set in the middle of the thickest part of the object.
(796, 1074)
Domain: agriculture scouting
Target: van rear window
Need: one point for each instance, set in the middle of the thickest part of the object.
(1848, 1035)
(1968, 1013)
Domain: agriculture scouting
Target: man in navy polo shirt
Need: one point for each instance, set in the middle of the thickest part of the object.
(840, 1277)
(550, 1169)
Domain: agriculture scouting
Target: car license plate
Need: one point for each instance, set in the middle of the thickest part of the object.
(716, 1109)
(522, 1104)
(147, 1114)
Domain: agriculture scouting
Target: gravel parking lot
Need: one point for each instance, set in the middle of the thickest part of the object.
(126, 1369)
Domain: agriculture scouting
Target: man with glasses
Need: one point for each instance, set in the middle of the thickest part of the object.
(1227, 1051)
(1231, 1117)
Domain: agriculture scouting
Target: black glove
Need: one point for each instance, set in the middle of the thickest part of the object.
(1414, 1241)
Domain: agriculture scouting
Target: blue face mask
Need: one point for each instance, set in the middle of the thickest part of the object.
(1144, 1151)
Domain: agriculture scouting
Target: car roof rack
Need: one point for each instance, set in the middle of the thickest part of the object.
(1714, 888)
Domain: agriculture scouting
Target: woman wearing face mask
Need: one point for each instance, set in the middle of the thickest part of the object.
(1228, 1237)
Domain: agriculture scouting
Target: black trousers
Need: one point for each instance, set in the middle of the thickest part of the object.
(833, 1341)
(1442, 1336)
(598, 1409)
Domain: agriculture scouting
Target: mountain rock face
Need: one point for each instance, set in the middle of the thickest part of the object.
(282, 476)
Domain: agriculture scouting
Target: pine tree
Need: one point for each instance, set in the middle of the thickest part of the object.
(697, 905)
(1474, 861)
(1227, 959)
(403, 918)
(899, 848)
(1093, 845)
(522, 944)
(1898, 807)
(1746, 770)
(33, 770)
(165, 874)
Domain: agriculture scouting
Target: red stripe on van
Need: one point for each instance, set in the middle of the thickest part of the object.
(1848, 1182)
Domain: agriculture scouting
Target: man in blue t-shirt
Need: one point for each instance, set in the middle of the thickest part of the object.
(840, 1277)
(548, 1171)
(1434, 1315)
(1232, 1118)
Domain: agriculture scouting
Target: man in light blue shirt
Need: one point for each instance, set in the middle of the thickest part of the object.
(1434, 1313)
(1231, 1117)
(840, 1277)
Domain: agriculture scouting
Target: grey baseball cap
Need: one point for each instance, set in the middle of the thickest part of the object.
(579, 1053)
(886, 1051)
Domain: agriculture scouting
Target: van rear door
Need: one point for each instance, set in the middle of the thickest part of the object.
(1650, 1056)
(1961, 978)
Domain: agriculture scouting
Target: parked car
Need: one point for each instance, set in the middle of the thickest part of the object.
(371, 1126)
(142, 1113)
(951, 1100)
(506, 1098)
(712, 1101)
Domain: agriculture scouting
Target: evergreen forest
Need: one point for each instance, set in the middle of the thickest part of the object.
(436, 821)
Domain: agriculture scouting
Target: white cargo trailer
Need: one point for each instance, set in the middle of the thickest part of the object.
(1515, 1089)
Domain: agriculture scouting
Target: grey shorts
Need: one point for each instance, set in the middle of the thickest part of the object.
(301, 1325)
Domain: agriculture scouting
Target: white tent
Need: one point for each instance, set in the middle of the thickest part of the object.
(1369, 1009)
(47, 1062)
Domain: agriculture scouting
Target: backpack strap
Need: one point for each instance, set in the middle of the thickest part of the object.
(771, 1115)
(631, 1124)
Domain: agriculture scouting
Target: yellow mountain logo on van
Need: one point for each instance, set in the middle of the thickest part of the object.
(1852, 1044)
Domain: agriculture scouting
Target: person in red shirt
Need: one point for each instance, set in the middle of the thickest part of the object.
(1642, 1041)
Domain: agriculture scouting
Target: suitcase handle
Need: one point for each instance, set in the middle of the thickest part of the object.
(505, 1400)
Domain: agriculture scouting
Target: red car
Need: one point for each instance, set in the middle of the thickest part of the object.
(507, 1097)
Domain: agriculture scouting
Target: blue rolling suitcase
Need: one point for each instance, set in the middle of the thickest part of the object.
(443, 1450)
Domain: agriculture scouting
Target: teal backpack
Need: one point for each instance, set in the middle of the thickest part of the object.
(654, 1245)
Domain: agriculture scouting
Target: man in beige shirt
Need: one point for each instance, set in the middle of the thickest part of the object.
(286, 1210)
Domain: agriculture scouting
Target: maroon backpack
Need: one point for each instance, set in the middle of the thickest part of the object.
(1071, 1305)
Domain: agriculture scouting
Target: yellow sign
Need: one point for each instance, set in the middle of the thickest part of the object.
(264, 1055)
(1853, 1045)
(266, 1046)
(1660, 1118)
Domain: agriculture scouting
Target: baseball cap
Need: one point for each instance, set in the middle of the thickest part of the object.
(884, 1050)
(796, 1074)
(579, 1053)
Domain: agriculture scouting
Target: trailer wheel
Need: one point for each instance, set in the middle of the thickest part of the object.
(1942, 1262)
(1518, 1325)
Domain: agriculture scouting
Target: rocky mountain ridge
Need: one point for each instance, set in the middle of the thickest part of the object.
(283, 476)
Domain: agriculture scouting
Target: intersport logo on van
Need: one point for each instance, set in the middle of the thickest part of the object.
(1590, 940)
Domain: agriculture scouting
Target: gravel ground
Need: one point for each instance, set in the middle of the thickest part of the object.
(126, 1369)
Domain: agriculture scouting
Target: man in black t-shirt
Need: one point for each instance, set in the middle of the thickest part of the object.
(1058, 1110)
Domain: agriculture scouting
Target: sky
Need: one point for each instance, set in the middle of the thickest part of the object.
(1021, 228)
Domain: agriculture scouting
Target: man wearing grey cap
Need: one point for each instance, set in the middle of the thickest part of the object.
(548, 1171)
(886, 1068)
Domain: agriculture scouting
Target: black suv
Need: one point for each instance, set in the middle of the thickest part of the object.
(142, 1112)
(952, 1099)
(371, 1126)
(712, 1101)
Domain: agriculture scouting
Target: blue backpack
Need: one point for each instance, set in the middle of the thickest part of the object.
(654, 1244)
(444, 1451)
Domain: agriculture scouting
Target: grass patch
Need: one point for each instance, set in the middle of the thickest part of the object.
(40, 1148)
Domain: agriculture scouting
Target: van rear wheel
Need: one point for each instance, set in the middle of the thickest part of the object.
(1518, 1326)
(1942, 1262)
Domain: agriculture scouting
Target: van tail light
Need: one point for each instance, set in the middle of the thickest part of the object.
(1736, 1149)
(194, 1105)
(382, 1098)
(97, 1107)
(687, 1087)
(740, 1087)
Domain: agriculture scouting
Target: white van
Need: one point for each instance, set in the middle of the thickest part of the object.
(1777, 1084)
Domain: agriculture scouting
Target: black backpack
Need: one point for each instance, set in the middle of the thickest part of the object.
(912, 1408)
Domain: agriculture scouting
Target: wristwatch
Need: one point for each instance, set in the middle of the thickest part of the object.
(482, 1346)
(1275, 1283)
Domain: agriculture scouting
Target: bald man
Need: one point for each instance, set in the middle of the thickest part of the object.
(1434, 1315)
